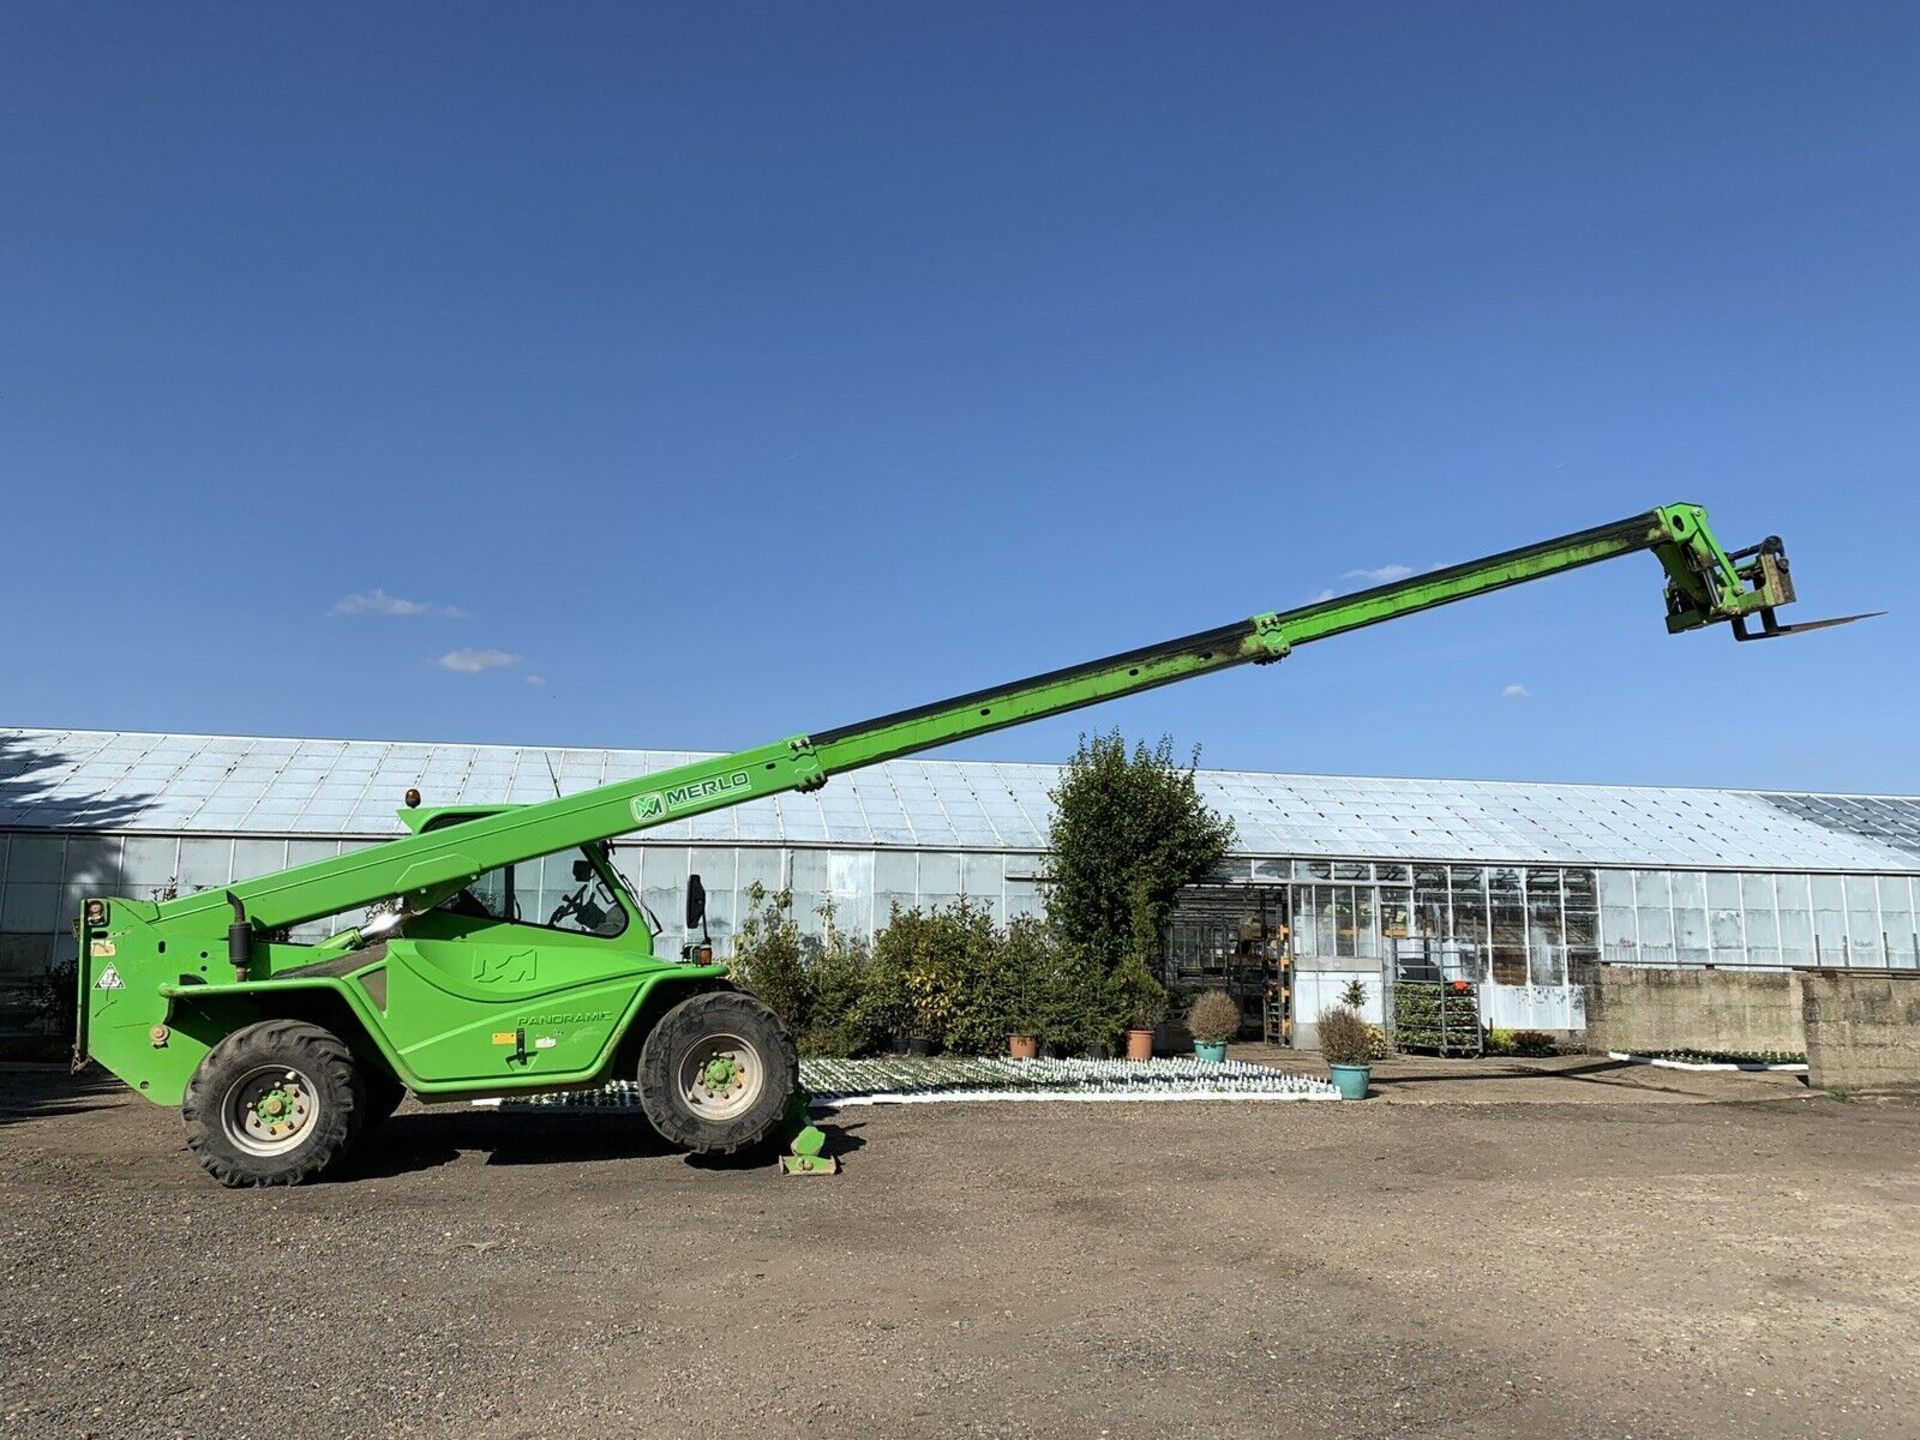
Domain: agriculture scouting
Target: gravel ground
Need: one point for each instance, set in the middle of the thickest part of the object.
(1520, 1251)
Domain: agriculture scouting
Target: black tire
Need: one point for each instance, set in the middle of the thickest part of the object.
(235, 1142)
(728, 1022)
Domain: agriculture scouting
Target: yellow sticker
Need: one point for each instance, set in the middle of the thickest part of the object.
(505, 1037)
(102, 949)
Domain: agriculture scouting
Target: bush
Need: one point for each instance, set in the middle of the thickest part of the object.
(1378, 1046)
(933, 976)
(1024, 976)
(1343, 1037)
(1533, 1043)
(817, 984)
(769, 956)
(1081, 1007)
(1129, 832)
(1214, 1018)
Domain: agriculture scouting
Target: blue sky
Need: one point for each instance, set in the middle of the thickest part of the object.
(736, 371)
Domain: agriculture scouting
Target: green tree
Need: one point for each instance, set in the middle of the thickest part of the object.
(1129, 833)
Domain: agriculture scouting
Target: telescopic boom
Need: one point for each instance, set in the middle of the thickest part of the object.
(1706, 585)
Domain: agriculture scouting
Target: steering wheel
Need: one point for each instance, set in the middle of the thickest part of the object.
(572, 905)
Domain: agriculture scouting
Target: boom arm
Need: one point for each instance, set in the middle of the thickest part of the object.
(1705, 585)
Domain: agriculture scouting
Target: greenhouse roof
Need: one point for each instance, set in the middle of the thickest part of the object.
(123, 782)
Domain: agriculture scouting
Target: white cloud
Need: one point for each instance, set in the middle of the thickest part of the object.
(536, 679)
(1516, 691)
(1384, 575)
(1326, 594)
(379, 602)
(473, 662)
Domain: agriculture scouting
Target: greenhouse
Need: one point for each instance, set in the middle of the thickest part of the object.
(1520, 887)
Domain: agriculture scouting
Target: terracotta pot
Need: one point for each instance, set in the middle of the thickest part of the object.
(1023, 1047)
(1139, 1044)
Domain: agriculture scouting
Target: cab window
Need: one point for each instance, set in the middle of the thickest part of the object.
(562, 891)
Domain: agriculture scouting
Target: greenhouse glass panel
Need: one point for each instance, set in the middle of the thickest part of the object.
(1430, 906)
(1396, 914)
(1690, 918)
(1761, 931)
(1619, 920)
(850, 876)
(205, 864)
(1467, 897)
(896, 882)
(150, 863)
(1507, 926)
(1366, 942)
(1581, 909)
(757, 865)
(1653, 915)
(32, 907)
(258, 857)
(1343, 938)
(1724, 932)
(36, 858)
(1865, 943)
(1306, 922)
(1829, 920)
(1795, 909)
(1546, 935)
(1896, 919)
(939, 879)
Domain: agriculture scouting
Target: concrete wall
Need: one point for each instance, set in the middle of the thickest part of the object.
(1863, 1030)
(1631, 1008)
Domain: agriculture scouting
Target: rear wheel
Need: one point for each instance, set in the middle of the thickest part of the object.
(273, 1104)
(717, 1072)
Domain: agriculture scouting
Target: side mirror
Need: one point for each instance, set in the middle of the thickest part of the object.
(583, 870)
(696, 902)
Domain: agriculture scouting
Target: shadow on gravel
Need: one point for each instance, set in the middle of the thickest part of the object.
(429, 1139)
(426, 1140)
(1585, 1072)
(44, 1092)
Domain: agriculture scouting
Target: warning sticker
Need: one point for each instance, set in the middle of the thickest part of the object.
(545, 1042)
(109, 980)
(102, 949)
(505, 1037)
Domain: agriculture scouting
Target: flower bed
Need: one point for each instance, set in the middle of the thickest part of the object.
(920, 1079)
(1782, 1061)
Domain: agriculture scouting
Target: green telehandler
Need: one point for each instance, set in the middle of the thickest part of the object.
(280, 1055)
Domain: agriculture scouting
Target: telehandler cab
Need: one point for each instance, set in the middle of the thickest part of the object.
(281, 1055)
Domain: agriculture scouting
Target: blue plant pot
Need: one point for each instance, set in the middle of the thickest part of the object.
(1210, 1052)
(1351, 1080)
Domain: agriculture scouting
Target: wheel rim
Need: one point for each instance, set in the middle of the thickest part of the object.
(270, 1110)
(721, 1076)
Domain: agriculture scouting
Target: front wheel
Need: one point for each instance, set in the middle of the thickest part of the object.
(717, 1072)
(273, 1104)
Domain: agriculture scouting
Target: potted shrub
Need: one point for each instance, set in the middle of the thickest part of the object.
(1023, 1046)
(1346, 1045)
(1141, 1001)
(1214, 1020)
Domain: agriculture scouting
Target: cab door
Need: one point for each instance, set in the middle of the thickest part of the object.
(528, 973)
